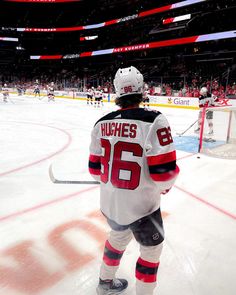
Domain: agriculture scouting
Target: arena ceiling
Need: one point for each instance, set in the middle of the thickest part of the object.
(134, 27)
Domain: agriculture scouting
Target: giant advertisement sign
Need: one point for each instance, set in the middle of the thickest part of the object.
(177, 102)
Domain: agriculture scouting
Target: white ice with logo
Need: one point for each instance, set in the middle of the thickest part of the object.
(55, 227)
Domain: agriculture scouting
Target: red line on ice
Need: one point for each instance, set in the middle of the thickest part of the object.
(39, 206)
(231, 215)
(69, 140)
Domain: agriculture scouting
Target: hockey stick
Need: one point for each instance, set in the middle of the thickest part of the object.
(55, 180)
(182, 133)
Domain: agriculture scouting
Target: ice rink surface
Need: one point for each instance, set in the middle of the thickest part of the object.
(52, 235)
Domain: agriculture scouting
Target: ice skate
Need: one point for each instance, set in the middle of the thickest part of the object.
(210, 132)
(109, 287)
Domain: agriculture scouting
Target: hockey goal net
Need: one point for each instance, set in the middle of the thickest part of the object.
(218, 132)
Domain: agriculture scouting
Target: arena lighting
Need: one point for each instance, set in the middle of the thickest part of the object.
(20, 48)
(110, 22)
(43, 1)
(176, 19)
(145, 46)
(9, 39)
(88, 38)
(215, 59)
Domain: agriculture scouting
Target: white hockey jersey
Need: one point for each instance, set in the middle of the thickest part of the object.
(133, 155)
(98, 93)
(90, 92)
(51, 90)
(36, 87)
(207, 101)
(5, 90)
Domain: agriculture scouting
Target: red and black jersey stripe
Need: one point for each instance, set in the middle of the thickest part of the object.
(95, 165)
(163, 167)
(146, 271)
(111, 255)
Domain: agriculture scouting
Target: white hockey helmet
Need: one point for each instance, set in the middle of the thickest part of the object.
(5, 85)
(128, 81)
(203, 91)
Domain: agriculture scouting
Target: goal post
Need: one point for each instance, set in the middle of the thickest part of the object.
(218, 132)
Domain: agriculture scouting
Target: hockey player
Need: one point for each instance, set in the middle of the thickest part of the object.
(133, 156)
(23, 89)
(98, 96)
(19, 89)
(36, 89)
(90, 94)
(206, 100)
(5, 93)
(51, 89)
(101, 94)
(146, 99)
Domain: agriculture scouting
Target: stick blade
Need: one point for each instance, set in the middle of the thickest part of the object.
(179, 133)
(53, 179)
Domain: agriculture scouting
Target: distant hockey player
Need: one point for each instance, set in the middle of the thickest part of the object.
(206, 100)
(19, 89)
(36, 89)
(5, 92)
(101, 94)
(23, 89)
(90, 94)
(133, 156)
(51, 89)
(98, 96)
(146, 99)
